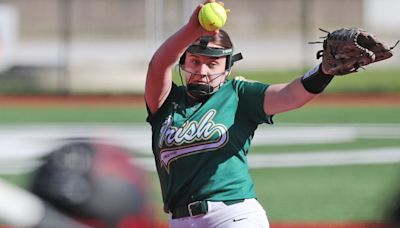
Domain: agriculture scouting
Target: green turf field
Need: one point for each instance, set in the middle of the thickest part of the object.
(115, 114)
(372, 80)
(74, 114)
(342, 193)
(333, 193)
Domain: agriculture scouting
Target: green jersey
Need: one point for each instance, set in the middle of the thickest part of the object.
(200, 150)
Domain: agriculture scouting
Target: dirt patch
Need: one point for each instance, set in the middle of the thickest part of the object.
(329, 225)
(44, 100)
(355, 100)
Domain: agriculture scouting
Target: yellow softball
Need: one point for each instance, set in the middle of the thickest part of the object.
(212, 16)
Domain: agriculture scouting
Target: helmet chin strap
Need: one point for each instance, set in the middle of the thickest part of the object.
(202, 91)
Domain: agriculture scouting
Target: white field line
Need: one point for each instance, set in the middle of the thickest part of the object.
(326, 158)
(21, 145)
(319, 158)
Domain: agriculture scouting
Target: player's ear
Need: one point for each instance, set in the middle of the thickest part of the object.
(182, 59)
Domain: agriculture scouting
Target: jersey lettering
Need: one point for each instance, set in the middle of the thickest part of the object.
(191, 138)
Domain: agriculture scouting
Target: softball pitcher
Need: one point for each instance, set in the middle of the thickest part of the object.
(202, 130)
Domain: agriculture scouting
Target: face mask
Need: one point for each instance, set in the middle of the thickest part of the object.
(201, 91)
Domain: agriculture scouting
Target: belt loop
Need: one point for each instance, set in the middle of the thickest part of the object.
(200, 207)
(189, 207)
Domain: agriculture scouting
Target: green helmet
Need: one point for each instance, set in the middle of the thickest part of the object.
(202, 49)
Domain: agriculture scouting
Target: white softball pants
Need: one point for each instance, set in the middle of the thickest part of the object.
(247, 214)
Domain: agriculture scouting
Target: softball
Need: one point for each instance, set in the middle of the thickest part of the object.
(212, 16)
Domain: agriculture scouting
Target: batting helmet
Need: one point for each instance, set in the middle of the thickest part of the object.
(95, 183)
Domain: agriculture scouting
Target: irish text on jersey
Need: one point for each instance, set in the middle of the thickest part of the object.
(191, 138)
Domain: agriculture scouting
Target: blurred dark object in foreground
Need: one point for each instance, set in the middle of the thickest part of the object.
(393, 212)
(96, 184)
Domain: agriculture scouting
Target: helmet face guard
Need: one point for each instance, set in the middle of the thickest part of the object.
(203, 91)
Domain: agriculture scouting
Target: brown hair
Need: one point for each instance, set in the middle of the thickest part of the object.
(222, 39)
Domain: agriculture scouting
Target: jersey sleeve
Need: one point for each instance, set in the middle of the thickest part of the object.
(173, 93)
(251, 96)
